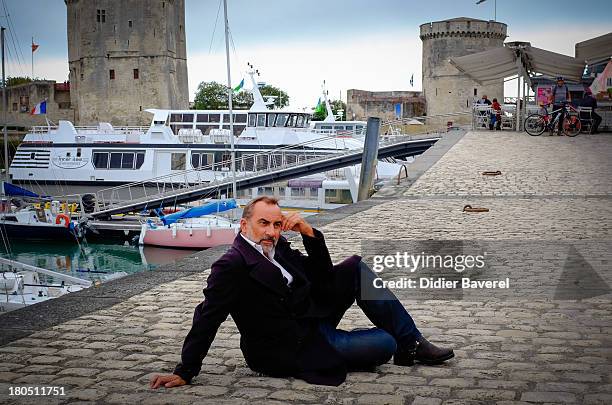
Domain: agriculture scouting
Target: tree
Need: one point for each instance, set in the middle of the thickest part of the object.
(210, 96)
(281, 97)
(338, 105)
(213, 96)
(13, 81)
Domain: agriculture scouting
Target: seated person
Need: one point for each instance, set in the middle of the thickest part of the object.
(590, 101)
(287, 307)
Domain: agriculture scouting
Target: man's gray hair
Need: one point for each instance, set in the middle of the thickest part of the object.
(247, 212)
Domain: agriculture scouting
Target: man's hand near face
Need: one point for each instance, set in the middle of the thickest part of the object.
(168, 381)
(295, 222)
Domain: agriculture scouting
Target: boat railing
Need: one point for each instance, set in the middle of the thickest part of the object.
(92, 130)
(109, 131)
(12, 265)
(219, 176)
(43, 129)
(160, 191)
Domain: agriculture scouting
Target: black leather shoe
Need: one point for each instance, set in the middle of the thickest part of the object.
(424, 352)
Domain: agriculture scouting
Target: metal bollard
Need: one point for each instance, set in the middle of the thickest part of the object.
(369, 158)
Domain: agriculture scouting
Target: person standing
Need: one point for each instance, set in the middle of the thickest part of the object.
(495, 115)
(560, 96)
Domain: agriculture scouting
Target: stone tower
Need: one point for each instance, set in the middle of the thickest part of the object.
(446, 89)
(126, 56)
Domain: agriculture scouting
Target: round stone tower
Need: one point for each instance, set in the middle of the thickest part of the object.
(126, 56)
(446, 89)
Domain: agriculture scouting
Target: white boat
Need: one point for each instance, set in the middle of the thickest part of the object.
(329, 126)
(176, 140)
(22, 285)
(23, 288)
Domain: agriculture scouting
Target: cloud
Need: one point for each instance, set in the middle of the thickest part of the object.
(44, 68)
(551, 38)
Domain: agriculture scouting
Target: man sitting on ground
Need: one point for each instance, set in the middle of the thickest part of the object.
(287, 307)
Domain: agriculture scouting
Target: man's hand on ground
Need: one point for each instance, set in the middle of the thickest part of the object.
(295, 222)
(168, 381)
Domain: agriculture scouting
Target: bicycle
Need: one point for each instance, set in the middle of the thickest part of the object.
(536, 124)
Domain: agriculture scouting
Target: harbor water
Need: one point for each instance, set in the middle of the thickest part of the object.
(91, 261)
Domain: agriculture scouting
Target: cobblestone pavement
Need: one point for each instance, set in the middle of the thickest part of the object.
(553, 192)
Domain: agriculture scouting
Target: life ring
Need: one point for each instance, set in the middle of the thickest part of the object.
(66, 218)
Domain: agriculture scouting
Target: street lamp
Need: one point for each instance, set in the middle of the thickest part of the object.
(495, 8)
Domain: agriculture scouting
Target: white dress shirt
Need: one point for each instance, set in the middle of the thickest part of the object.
(258, 247)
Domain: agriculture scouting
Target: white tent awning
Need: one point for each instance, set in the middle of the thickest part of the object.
(499, 63)
(555, 64)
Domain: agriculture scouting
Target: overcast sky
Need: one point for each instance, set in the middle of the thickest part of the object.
(296, 44)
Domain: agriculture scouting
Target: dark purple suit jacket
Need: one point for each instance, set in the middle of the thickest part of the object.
(277, 323)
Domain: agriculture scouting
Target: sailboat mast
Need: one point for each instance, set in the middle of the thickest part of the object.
(4, 107)
(230, 91)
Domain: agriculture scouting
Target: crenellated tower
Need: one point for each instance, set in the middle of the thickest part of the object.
(445, 88)
(126, 56)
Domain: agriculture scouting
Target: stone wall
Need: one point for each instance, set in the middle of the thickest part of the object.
(126, 56)
(447, 90)
(362, 104)
(22, 98)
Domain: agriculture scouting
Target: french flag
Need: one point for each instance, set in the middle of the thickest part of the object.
(40, 108)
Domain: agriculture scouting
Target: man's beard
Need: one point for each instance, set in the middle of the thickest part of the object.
(266, 248)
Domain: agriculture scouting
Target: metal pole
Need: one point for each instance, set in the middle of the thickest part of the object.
(230, 90)
(495, 13)
(525, 98)
(369, 159)
(4, 107)
(518, 101)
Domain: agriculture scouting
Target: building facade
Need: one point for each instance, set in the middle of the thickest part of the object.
(387, 105)
(22, 98)
(445, 88)
(126, 56)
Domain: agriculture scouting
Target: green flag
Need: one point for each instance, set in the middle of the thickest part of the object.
(239, 87)
(319, 108)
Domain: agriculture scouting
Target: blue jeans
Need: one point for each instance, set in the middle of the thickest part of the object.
(367, 348)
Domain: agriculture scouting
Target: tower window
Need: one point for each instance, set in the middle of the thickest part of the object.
(136, 74)
(130, 23)
(101, 15)
(112, 74)
(475, 92)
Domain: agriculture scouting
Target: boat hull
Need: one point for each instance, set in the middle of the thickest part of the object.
(189, 238)
(13, 230)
